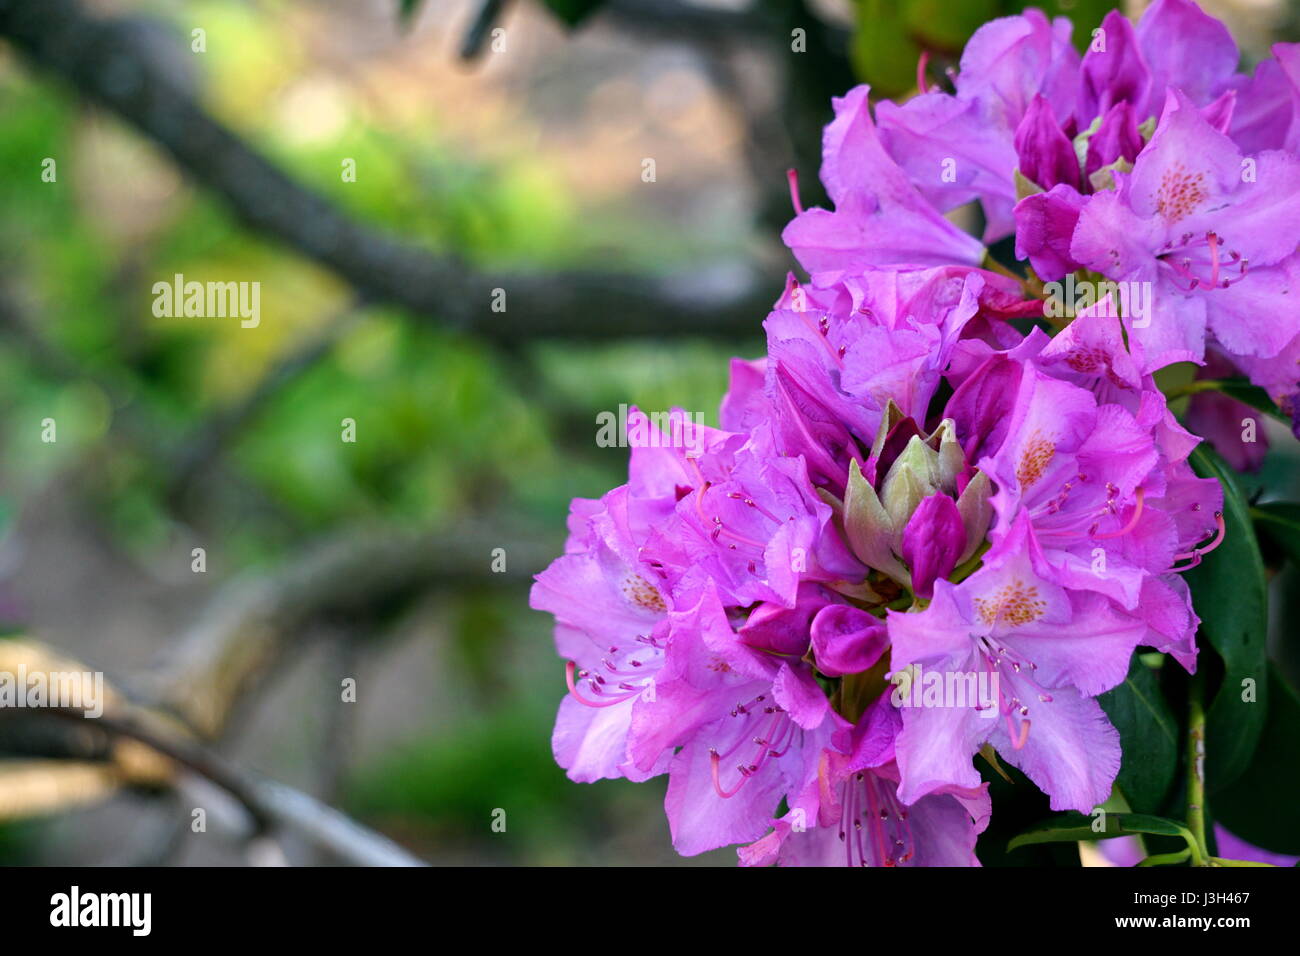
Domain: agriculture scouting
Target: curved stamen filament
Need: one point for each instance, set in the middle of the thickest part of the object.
(615, 671)
(1196, 554)
(1133, 519)
(777, 751)
(750, 502)
(774, 744)
(570, 668)
(715, 760)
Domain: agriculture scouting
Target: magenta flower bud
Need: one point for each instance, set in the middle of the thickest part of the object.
(847, 640)
(1046, 154)
(1116, 138)
(1113, 72)
(774, 627)
(933, 542)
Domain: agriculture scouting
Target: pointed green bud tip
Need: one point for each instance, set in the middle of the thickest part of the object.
(1104, 178)
(913, 476)
(976, 510)
(891, 417)
(952, 460)
(1081, 142)
(868, 526)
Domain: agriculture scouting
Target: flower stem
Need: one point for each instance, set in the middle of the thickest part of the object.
(1164, 859)
(1220, 861)
(971, 565)
(1196, 770)
(1194, 388)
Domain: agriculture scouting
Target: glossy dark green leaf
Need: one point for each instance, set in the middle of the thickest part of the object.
(1261, 806)
(1279, 522)
(1149, 735)
(1020, 806)
(1072, 827)
(1229, 592)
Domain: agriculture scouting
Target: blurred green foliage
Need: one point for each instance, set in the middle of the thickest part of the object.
(447, 426)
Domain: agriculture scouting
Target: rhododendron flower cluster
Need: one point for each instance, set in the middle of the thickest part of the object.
(934, 524)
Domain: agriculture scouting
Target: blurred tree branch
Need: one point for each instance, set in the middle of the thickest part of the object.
(168, 717)
(489, 12)
(162, 755)
(682, 20)
(359, 576)
(779, 135)
(109, 61)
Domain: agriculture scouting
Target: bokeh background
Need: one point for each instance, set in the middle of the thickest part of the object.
(517, 167)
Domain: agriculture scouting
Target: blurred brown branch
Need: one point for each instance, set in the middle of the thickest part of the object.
(110, 61)
(150, 750)
(780, 133)
(253, 622)
(170, 715)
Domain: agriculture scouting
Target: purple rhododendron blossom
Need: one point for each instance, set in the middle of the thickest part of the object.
(1216, 247)
(939, 517)
(1022, 90)
(1149, 159)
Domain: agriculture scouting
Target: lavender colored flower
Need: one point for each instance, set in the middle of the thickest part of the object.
(1147, 160)
(1212, 230)
(926, 527)
(1022, 93)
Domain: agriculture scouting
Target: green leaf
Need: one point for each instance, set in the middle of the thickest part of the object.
(573, 12)
(1261, 806)
(1086, 15)
(881, 51)
(944, 25)
(1072, 827)
(1149, 736)
(1279, 522)
(1229, 592)
(1020, 805)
